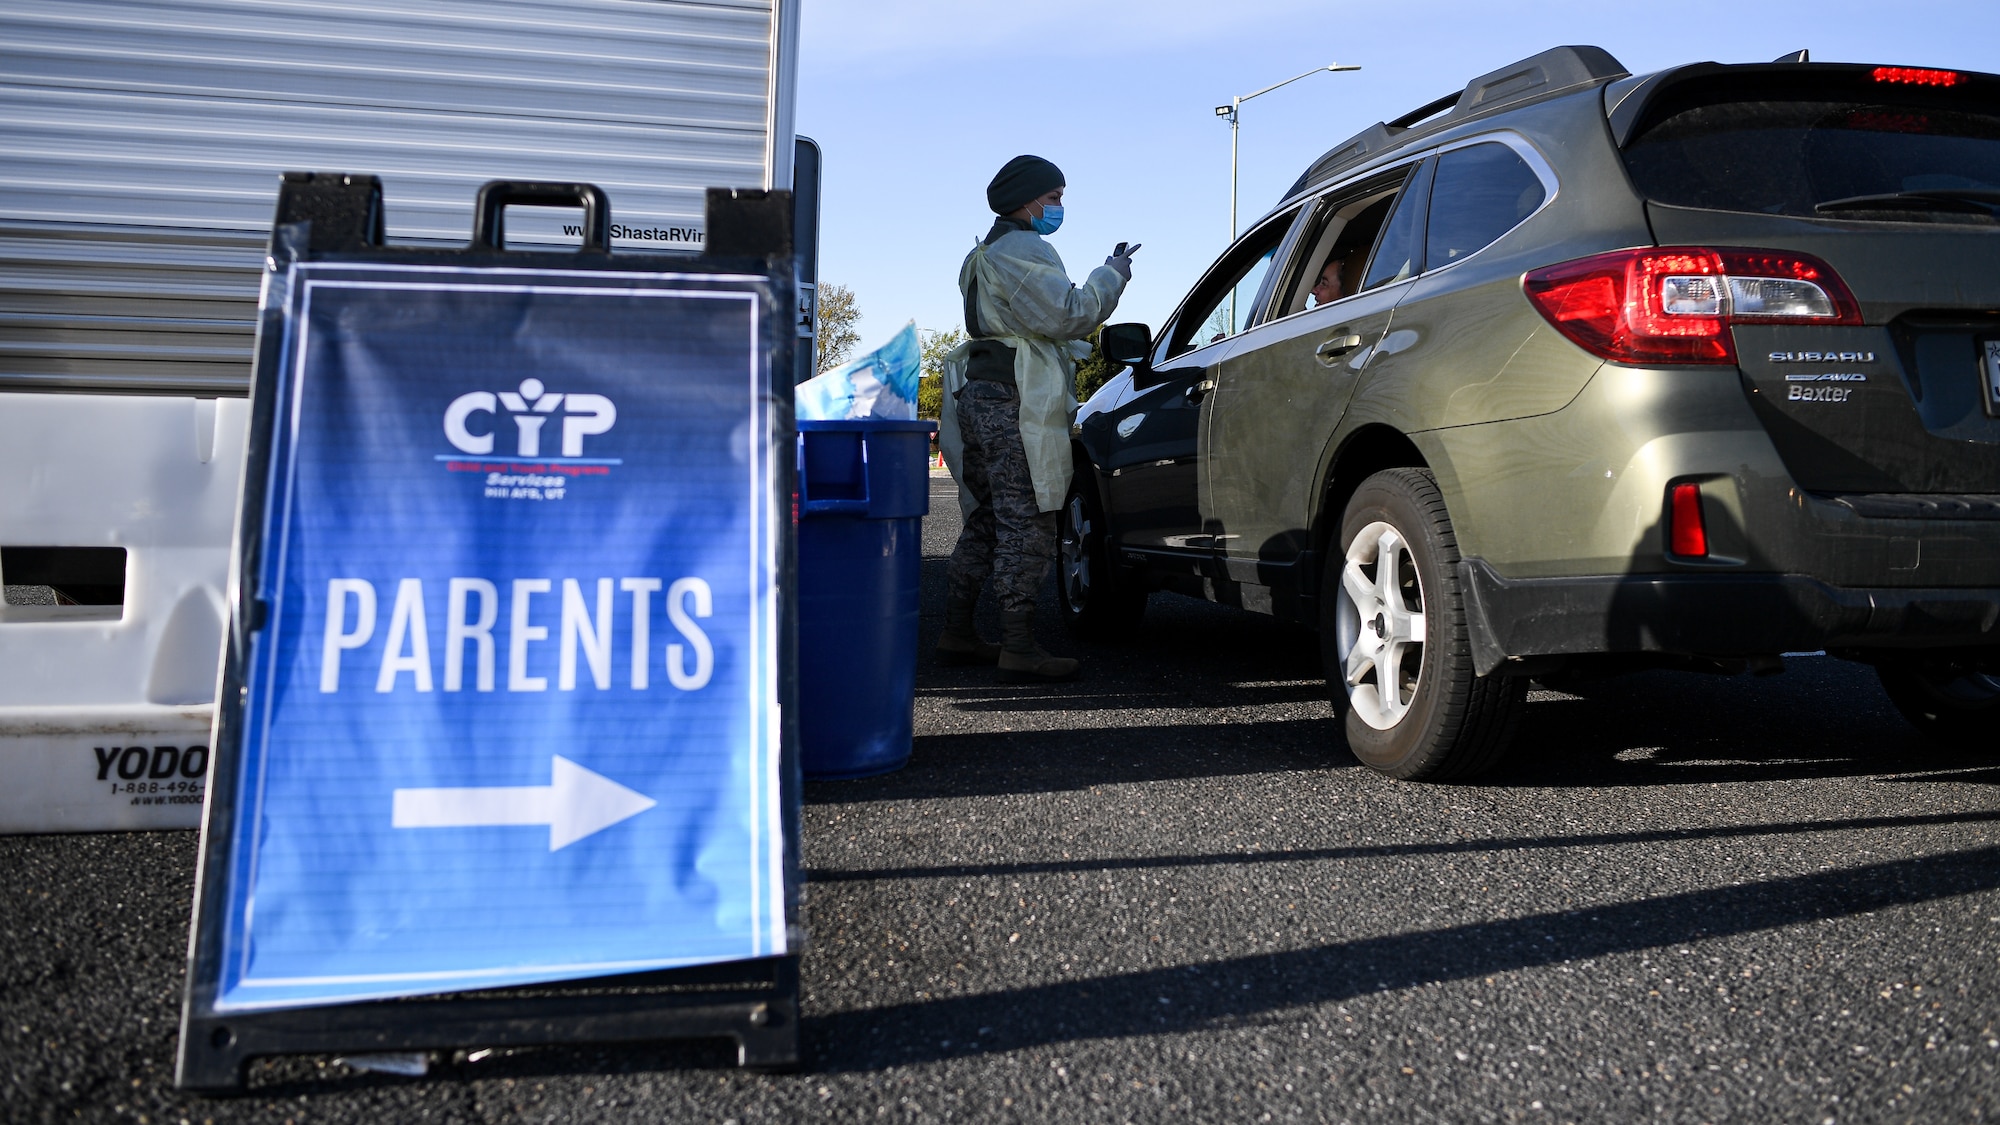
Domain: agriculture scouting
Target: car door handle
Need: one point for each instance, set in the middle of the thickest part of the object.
(1333, 349)
(1200, 390)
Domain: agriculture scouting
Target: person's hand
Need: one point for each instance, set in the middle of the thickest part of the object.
(1121, 259)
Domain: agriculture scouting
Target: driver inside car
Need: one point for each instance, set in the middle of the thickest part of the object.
(1331, 285)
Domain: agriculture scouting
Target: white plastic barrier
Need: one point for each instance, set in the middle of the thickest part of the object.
(105, 711)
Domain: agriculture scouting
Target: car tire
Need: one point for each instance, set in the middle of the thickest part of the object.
(1951, 701)
(1404, 630)
(1097, 603)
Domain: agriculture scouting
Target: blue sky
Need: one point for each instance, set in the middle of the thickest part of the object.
(916, 103)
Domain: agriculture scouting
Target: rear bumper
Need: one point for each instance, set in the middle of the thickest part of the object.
(1710, 615)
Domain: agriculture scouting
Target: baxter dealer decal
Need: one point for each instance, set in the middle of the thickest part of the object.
(514, 716)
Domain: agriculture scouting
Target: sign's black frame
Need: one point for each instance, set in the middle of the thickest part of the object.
(334, 217)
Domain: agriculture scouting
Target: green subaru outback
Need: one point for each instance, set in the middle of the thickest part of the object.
(1575, 371)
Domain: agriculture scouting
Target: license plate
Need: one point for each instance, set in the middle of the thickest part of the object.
(1989, 367)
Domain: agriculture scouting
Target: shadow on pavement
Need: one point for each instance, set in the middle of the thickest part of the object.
(1243, 990)
(1643, 729)
(1105, 692)
(1399, 851)
(1826, 719)
(1677, 728)
(1240, 990)
(1049, 761)
(1960, 777)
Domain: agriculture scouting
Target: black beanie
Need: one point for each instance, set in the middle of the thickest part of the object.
(1021, 181)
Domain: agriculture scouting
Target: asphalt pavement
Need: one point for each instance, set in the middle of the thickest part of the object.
(1163, 892)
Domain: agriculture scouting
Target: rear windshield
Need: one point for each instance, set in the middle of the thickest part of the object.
(1863, 152)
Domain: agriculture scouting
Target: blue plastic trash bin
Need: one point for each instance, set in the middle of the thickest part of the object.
(864, 488)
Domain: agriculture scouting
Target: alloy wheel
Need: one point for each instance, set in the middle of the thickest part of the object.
(1380, 624)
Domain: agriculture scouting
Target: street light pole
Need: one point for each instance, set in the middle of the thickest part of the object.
(1231, 111)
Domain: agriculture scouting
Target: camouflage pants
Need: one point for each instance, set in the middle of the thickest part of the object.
(1007, 536)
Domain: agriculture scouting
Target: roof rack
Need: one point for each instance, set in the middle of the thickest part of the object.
(1426, 110)
(1554, 71)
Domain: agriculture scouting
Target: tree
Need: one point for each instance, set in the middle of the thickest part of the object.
(835, 325)
(930, 388)
(1218, 325)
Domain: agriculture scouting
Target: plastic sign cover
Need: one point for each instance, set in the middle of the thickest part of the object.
(512, 717)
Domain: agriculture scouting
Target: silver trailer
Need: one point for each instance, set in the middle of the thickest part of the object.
(142, 144)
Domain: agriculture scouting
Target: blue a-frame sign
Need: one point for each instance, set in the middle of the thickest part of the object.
(509, 647)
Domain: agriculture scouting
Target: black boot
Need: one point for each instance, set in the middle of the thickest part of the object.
(1022, 660)
(960, 643)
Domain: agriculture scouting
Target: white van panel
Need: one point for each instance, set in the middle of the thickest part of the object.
(145, 138)
(143, 142)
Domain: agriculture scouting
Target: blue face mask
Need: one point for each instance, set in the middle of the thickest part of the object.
(1050, 221)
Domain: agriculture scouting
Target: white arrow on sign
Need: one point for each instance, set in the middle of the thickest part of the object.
(577, 803)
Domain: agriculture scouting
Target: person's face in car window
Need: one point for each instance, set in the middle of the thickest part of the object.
(1327, 289)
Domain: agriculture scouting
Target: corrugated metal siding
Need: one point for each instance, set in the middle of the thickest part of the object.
(141, 309)
(142, 144)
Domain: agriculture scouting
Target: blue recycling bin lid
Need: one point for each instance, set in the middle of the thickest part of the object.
(863, 467)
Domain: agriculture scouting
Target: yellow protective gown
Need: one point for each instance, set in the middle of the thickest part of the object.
(1026, 301)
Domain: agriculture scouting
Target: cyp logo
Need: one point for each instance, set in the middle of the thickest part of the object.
(530, 407)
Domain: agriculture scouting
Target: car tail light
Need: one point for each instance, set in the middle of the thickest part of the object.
(1675, 304)
(1687, 535)
(1916, 76)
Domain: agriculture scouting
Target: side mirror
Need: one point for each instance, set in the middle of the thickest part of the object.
(1126, 343)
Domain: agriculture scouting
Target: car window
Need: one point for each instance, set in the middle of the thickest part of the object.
(1344, 228)
(1226, 303)
(1232, 314)
(1480, 192)
(1837, 147)
(1399, 253)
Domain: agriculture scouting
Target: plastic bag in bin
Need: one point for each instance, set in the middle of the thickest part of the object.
(881, 384)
